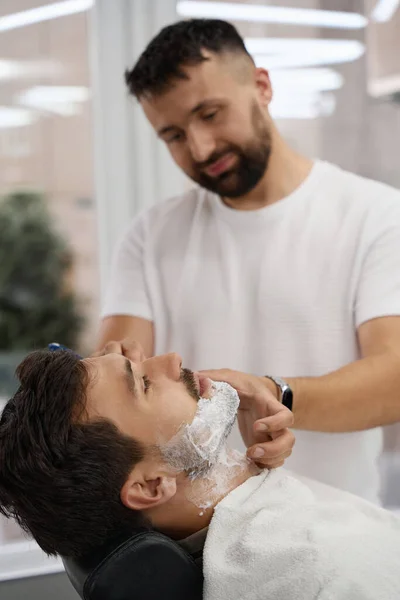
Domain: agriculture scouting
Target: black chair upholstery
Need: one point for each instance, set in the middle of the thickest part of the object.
(143, 566)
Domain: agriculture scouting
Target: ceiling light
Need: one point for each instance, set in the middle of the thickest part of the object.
(307, 111)
(293, 60)
(285, 53)
(9, 69)
(62, 100)
(387, 86)
(44, 13)
(29, 69)
(308, 80)
(272, 14)
(15, 117)
(57, 94)
(384, 10)
(280, 53)
(304, 106)
(311, 49)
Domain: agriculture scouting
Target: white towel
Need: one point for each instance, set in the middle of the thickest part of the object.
(281, 537)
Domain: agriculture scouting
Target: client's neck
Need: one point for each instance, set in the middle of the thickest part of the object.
(192, 507)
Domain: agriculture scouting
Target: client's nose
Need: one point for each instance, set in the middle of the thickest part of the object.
(169, 365)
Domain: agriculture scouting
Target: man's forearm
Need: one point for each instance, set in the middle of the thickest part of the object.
(361, 395)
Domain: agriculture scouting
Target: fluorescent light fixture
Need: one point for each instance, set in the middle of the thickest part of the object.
(346, 50)
(15, 117)
(384, 10)
(57, 94)
(61, 100)
(9, 69)
(28, 69)
(293, 81)
(271, 14)
(304, 106)
(44, 13)
(384, 87)
(308, 111)
(281, 53)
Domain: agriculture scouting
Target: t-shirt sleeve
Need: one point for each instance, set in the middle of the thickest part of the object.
(127, 292)
(378, 292)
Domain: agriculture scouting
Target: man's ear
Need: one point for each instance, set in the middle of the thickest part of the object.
(144, 489)
(264, 86)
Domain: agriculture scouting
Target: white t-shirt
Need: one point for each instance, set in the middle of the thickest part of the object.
(280, 290)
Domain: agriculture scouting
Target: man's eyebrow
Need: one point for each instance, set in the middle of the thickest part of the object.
(204, 104)
(129, 377)
(200, 106)
(165, 130)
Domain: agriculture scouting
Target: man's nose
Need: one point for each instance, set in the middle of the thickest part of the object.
(201, 145)
(169, 365)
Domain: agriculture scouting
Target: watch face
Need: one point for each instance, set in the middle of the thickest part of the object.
(287, 397)
(286, 394)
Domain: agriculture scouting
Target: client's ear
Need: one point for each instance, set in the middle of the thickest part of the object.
(145, 489)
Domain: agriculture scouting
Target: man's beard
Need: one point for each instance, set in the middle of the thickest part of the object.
(252, 163)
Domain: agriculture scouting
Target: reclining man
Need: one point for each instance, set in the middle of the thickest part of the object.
(90, 447)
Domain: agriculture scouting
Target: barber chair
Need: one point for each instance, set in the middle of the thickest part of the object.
(144, 566)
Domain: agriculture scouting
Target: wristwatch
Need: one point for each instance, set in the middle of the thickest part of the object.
(286, 394)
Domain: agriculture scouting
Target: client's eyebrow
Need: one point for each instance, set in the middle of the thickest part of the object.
(129, 377)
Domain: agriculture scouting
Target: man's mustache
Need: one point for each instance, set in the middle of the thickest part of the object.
(188, 379)
(213, 159)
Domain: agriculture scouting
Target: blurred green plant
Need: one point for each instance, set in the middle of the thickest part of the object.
(36, 305)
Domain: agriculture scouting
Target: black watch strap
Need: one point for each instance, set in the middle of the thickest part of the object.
(286, 394)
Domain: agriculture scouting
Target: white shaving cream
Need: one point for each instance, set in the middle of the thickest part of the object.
(200, 449)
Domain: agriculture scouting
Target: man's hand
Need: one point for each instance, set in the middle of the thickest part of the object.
(129, 348)
(263, 420)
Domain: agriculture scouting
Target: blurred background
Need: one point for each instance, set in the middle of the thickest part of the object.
(78, 160)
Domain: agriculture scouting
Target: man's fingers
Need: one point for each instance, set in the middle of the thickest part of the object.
(275, 462)
(215, 373)
(109, 348)
(276, 465)
(129, 348)
(133, 350)
(227, 375)
(280, 420)
(272, 449)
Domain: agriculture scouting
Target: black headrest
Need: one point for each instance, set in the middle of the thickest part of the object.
(143, 566)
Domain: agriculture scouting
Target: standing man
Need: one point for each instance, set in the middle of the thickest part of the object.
(273, 265)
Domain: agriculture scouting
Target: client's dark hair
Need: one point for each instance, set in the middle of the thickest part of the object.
(178, 45)
(61, 475)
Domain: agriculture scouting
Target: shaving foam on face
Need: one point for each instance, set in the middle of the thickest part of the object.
(196, 446)
(200, 449)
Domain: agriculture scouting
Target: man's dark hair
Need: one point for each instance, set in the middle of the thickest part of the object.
(60, 474)
(181, 45)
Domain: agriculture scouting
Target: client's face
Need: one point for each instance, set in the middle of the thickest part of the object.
(148, 401)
